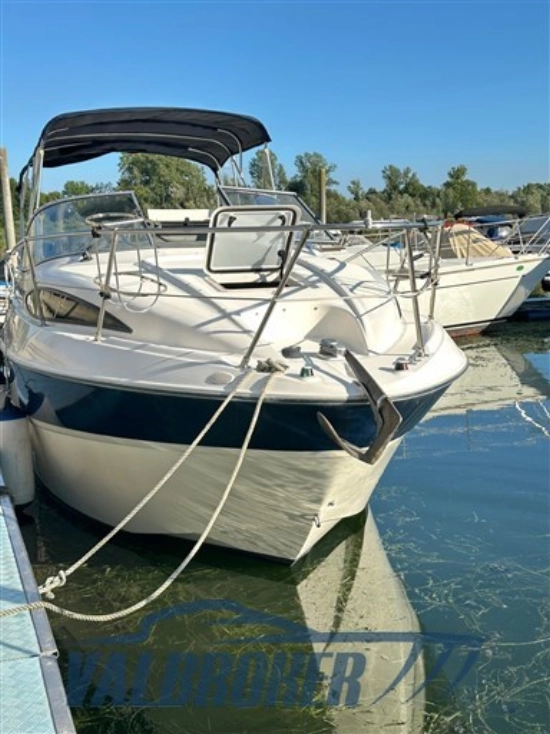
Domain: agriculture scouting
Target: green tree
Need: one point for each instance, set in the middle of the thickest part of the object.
(165, 182)
(393, 180)
(262, 163)
(376, 204)
(356, 190)
(535, 197)
(340, 209)
(47, 196)
(487, 197)
(458, 192)
(306, 181)
(81, 188)
(401, 181)
(76, 188)
(431, 201)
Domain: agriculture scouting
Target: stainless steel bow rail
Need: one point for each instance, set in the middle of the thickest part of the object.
(24, 258)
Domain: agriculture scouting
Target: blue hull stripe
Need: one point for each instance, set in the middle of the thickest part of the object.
(176, 418)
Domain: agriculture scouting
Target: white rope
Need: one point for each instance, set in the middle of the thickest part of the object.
(530, 420)
(173, 576)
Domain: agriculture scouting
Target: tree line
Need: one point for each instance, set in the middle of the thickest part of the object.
(171, 183)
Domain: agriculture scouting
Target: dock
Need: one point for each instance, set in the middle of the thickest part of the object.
(32, 694)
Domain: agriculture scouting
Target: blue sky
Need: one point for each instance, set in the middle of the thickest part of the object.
(428, 85)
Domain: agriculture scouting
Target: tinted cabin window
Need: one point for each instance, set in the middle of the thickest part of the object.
(58, 306)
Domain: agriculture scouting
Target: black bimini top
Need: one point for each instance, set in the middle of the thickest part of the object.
(496, 210)
(203, 136)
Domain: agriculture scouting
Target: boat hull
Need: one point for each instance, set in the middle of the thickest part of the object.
(282, 503)
(471, 299)
(176, 417)
(102, 445)
(470, 296)
(100, 450)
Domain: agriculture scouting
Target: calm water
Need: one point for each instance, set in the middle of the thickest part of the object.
(463, 520)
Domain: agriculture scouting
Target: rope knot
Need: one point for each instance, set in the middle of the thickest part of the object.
(53, 582)
(270, 365)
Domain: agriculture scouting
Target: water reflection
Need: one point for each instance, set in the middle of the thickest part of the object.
(464, 513)
(501, 399)
(236, 644)
(501, 372)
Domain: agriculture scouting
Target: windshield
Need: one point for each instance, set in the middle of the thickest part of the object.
(244, 196)
(64, 227)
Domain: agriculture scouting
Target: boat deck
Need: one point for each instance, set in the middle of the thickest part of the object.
(32, 695)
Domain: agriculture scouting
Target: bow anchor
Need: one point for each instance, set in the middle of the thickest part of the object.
(387, 417)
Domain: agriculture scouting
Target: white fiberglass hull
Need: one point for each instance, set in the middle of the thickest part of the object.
(470, 298)
(269, 512)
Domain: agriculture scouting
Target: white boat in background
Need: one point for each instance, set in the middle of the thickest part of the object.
(283, 379)
(480, 282)
(514, 229)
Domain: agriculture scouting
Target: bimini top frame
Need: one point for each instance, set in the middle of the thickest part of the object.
(207, 137)
(204, 136)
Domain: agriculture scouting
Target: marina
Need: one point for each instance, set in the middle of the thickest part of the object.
(275, 368)
(302, 378)
(454, 548)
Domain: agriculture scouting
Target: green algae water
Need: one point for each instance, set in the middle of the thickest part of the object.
(428, 614)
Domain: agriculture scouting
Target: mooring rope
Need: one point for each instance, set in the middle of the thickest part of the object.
(53, 582)
(533, 422)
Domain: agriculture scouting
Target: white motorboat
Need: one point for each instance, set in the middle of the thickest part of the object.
(234, 384)
(480, 282)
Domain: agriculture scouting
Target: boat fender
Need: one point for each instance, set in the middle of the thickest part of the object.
(16, 455)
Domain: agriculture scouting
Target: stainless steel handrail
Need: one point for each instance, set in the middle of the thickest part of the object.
(304, 229)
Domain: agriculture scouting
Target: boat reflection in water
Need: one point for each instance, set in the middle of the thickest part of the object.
(238, 644)
(499, 374)
(500, 399)
(356, 591)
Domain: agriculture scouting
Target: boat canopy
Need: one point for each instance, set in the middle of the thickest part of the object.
(496, 210)
(203, 136)
(464, 241)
